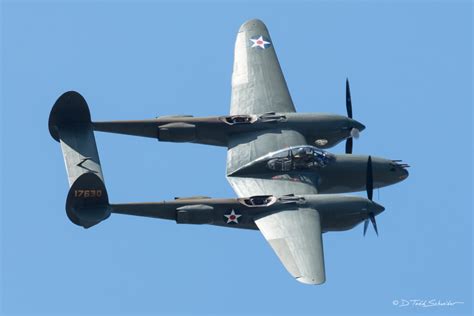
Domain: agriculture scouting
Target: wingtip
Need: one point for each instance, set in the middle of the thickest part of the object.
(311, 281)
(253, 24)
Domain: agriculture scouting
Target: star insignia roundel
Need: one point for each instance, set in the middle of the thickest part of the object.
(260, 42)
(232, 217)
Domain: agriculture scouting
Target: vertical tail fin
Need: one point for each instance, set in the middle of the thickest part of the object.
(70, 124)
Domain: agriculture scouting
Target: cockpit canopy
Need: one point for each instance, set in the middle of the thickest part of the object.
(289, 159)
(298, 158)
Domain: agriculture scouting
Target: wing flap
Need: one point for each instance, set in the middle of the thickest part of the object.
(296, 238)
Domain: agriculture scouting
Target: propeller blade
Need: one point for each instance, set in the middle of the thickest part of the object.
(370, 180)
(348, 99)
(349, 145)
(366, 224)
(354, 132)
(372, 219)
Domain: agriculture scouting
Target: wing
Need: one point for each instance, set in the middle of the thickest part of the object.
(258, 85)
(296, 238)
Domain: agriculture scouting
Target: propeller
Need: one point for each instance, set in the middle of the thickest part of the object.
(369, 182)
(348, 99)
(349, 144)
(354, 131)
(369, 186)
(374, 223)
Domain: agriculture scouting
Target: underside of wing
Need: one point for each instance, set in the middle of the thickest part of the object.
(258, 84)
(296, 238)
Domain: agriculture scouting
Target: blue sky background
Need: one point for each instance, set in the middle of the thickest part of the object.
(410, 66)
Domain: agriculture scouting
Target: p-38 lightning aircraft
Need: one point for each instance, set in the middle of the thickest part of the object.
(275, 163)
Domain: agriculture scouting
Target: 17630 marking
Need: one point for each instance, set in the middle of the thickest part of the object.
(88, 193)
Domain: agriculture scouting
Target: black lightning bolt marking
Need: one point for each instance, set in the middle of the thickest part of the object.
(83, 161)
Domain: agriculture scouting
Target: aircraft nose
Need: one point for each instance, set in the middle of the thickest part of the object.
(404, 174)
(388, 172)
(399, 170)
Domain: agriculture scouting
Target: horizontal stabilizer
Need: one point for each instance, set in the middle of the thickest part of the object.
(87, 202)
(144, 128)
(70, 124)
